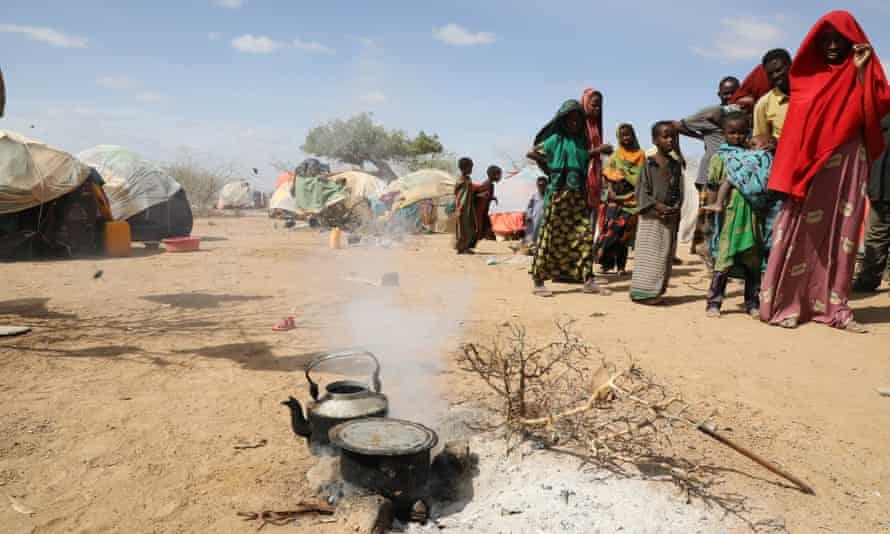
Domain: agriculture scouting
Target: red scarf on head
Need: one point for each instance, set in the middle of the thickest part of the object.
(595, 135)
(828, 107)
(755, 86)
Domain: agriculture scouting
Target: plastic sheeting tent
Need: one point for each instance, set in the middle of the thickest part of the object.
(132, 183)
(307, 195)
(236, 195)
(513, 194)
(361, 184)
(421, 185)
(32, 173)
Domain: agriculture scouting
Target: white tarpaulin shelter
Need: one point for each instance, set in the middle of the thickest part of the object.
(422, 185)
(283, 200)
(236, 195)
(132, 184)
(362, 184)
(32, 173)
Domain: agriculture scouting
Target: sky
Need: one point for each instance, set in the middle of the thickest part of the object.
(236, 84)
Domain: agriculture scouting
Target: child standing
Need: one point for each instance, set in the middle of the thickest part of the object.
(659, 195)
(737, 246)
(465, 205)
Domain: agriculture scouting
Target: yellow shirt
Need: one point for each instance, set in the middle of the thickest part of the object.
(769, 113)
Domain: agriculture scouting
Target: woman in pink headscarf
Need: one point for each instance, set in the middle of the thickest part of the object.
(592, 100)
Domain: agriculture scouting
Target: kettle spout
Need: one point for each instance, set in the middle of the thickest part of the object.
(298, 422)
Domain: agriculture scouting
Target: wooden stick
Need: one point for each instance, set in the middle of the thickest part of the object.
(806, 488)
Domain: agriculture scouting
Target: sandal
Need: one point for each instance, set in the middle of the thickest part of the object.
(790, 322)
(754, 313)
(541, 291)
(713, 313)
(856, 328)
(592, 288)
(284, 325)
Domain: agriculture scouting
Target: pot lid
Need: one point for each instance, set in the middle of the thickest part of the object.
(377, 436)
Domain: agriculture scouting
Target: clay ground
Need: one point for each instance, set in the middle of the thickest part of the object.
(119, 413)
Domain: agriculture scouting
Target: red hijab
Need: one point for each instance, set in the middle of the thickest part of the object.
(755, 86)
(828, 107)
(595, 135)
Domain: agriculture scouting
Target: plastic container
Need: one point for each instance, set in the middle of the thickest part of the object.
(117, 239)
(336, 236)
(182, 244)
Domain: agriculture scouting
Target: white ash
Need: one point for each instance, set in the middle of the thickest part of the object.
(536, 492)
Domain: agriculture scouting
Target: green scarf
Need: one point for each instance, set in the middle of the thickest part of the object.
(566, 154)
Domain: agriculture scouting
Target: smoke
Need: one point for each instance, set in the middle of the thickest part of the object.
(410, 330)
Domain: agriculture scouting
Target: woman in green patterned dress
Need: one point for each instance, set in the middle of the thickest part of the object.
(565, 239)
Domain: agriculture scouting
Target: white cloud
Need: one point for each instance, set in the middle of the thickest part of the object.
(742, 38)
(230, 4)
(255, 44)
(311, 46)
(46, 35)
(213, 36)
(373, 97)
(454, 34)
(365, 41)
(118, 83)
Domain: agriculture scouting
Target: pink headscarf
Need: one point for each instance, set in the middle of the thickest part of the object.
(595, 135)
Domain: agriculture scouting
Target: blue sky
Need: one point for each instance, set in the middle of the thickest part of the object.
(239, 82)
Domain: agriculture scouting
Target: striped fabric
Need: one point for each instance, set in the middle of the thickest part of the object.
(653, 257)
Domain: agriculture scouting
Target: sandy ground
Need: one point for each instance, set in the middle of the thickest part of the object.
(121, 410)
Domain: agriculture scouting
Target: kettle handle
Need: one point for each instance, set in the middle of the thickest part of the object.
(375, 376)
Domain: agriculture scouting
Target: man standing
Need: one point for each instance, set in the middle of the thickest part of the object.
(706, 125)
(770, 110)
(877, 230)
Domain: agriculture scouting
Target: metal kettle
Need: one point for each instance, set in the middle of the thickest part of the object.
(343, 400)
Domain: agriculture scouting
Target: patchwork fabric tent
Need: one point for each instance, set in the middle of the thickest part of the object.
(421, 185)
(32, 173)
(361, 184)
(513, 194)
(142, 193)
(50, 206)
(307, 195)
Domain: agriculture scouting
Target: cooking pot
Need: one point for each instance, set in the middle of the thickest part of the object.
(387, 456)
(343, 400)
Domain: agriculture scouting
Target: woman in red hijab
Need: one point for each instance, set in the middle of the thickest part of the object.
(592, 101)
(831, 135)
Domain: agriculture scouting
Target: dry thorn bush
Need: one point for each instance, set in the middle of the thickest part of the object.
(613, 416)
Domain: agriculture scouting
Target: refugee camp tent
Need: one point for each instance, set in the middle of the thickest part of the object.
(236, 195)
(421, 201)
(361, 184)
(420, 185)
(283, 178)
(49, 204)
(141, 193)
(689, 210)
(307, 195)
(513, 193)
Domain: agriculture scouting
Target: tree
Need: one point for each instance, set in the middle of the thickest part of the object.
(358, 140)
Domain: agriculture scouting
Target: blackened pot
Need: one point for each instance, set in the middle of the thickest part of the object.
(390, 457)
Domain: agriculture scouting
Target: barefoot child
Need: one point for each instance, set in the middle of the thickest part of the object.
(659, 195)
(739, 211)
(465, 206)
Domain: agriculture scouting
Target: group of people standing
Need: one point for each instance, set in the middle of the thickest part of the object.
(793, 155)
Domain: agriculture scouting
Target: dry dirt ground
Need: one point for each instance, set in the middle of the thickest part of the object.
(121, 410)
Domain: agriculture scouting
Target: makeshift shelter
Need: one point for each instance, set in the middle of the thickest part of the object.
(49, 205)
(141, 193)
(513, 193)
(236, 195)
(284, 178)
(307, 195)
(421, 201)
(361, 184)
